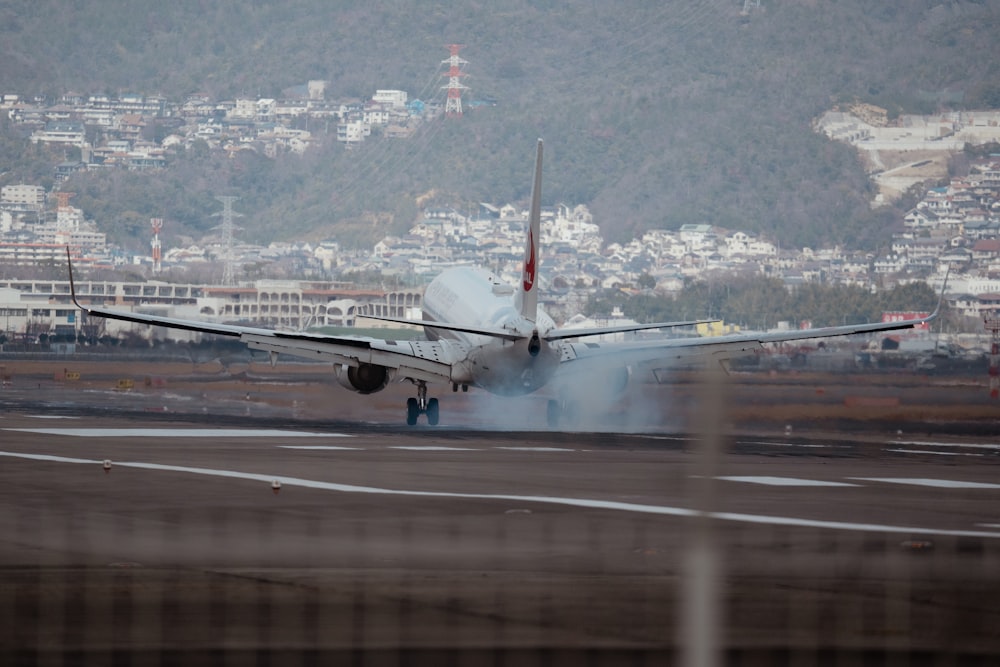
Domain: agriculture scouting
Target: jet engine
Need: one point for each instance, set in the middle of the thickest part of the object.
(586, 403)
(364, 378)
(597, 393)
(617, 380)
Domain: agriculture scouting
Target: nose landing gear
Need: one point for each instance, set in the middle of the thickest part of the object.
(421, 405)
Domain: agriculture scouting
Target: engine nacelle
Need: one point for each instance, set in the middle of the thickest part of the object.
(617, 380)
(592, 397)
(587, 403)
(364, 378)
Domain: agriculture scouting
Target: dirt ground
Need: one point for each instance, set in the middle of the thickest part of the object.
(894, 401)
(900, 170)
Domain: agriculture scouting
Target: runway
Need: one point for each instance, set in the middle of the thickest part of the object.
(655, 469)
(193, 539)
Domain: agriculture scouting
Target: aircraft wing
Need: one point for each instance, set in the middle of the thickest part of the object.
(431, 361)
(581, 356)
(567, 332)
(554, 334)
(578, 356)
(493, 332)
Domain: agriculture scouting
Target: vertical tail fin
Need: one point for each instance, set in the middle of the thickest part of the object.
(529, 274)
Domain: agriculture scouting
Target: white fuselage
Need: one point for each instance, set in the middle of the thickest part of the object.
(475, 297)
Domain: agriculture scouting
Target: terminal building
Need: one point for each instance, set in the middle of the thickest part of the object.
(31, 308)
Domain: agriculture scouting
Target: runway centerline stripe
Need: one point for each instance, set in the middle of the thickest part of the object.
(176, 433)
(960, 445)
(931, 451)
(432, 448)
(936, 483)
(782, 481)
(586, 503)
(537, 449)
(320, 447)
(787, 444)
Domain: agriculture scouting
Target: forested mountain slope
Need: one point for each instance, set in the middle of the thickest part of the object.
(654, 114)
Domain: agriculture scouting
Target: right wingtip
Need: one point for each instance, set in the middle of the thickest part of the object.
(944, 286)
(937, 308)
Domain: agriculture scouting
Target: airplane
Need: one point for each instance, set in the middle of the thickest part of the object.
(483, 333)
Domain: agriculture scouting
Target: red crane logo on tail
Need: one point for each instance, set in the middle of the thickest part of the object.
(529, 264)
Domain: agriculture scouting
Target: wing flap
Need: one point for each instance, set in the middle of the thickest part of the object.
(418, 360)
(578, 356)
(492, 332)
(173, 323)
(652, 352)
(564, 333)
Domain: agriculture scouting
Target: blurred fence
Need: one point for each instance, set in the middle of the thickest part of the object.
(528, 586)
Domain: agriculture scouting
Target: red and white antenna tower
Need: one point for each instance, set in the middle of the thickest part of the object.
(62, 198)
(453, 105)
(66, 219)
(157, 225)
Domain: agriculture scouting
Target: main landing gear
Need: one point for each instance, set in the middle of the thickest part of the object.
(421, 405)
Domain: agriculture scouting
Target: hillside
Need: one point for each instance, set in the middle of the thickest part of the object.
(654, 114)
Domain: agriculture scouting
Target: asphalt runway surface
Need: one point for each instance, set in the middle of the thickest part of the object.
(132, 532)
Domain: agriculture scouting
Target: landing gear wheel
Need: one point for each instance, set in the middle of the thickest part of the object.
(422, 406)
(412, 411)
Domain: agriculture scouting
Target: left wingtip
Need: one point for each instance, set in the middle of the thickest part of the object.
(72, 283)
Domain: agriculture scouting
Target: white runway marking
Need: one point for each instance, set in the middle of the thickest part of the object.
(936, 483)
(52, 417)
(782, 481)
(968, 445)
(931, 451)
(320, 447)
(536, 449)
(789, 444)
(549, 500)
(432, 448)
(175, 433)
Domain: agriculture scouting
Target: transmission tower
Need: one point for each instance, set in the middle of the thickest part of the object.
(453, 104)
(229, 266)
(157, 225)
